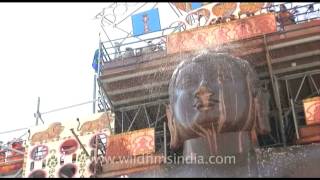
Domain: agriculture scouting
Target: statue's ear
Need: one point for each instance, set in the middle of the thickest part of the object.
(261, 101)
(175, 141)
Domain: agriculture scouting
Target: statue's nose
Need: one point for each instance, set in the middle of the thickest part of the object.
(203, 90)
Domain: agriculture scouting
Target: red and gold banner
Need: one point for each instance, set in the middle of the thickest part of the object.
(213, 35)
(312, 110)
(131, 144)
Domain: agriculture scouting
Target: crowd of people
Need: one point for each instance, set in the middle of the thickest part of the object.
(284, 16)
(130, 52)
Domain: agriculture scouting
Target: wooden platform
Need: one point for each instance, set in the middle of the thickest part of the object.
(142, 79)
(309, 134)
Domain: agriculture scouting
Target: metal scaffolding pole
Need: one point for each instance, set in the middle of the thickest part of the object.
(275, 91)
(165, 141)
(94, 93)
(295, 121)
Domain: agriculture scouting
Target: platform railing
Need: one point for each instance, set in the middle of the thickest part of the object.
(10, 155)
(138, 45)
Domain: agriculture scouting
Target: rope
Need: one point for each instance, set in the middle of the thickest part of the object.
(130, 14)
(67, 107)
(54, 110)
(20, 129)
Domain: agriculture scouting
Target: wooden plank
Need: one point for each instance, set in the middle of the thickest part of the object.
(309, 131)
(308, 140)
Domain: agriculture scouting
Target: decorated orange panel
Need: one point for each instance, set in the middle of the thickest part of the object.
(224, 9)
(131, 144)
(187, 6)
(250, 7)
(213, 35)
(181, 6)
(312, 110)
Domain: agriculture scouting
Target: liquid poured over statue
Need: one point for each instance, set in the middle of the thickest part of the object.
(216, 105)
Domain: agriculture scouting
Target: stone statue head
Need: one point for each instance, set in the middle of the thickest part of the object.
(214, 91)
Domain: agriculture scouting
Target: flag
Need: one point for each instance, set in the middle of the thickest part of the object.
(196, 5)
(146, 22)
(95, 62)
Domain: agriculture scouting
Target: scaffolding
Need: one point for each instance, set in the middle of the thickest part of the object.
(150, 111)
(144, 110)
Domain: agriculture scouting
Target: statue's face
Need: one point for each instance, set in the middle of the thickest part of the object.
(209, 92)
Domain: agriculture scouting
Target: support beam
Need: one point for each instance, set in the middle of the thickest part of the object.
(314, 84)
(275, 89)
(299, 75)
(288, 91)
(122, 119)
(135, 116)
(278, 104)
(290, 69)
(129, 119)
(165, 141)
(300, 87)
(157, 116)
(147, 115)
(81, 145)
(296, 126)
(94, 93)
(295, 42)
(104, 93)
(292, 57)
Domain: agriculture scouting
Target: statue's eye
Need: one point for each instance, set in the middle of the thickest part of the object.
(186, 83)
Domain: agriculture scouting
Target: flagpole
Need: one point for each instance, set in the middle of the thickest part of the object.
(96, 75)
(94, 93)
